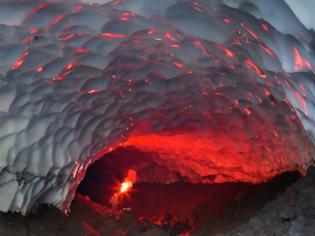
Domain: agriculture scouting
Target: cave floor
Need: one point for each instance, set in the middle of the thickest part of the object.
(291, 212)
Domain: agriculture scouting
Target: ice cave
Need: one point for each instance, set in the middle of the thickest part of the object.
(152, 106)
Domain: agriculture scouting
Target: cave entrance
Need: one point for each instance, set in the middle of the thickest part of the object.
(224, 205)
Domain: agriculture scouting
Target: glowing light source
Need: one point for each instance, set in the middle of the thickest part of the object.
(124, 188)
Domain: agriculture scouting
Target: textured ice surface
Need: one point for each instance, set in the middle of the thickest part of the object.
(216, 91)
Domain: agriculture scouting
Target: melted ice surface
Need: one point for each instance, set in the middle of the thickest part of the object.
(217, 91)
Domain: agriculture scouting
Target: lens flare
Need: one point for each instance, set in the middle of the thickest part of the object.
(125, 188)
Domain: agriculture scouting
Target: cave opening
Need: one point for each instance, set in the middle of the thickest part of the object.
(154, 198)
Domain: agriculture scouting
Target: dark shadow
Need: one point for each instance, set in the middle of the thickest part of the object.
(180, 206)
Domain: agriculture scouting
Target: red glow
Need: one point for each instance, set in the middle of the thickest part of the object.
(300, 63)
(39, 69)
(287, 83)
(78, 8)
(170, 36)
(128, 13)
(112, 36)
(173, 45)
(81, 50)
(199, 45)
(125, 186)
(89, 228)
(18, 64)
(151, 31)
(66, 36)
(58, 19)
(267, 50)
(69, 66)
(58, 78)
(247, 111)
(28, 40)
(265, 27)
(267, 92)
(211, 152)
(179, 65)
(34, 31)
(253, 67)
(226, 51)
(237, 42)
(124, 19)
(301, 101)
(117, 2)
(250, 30)
(205, 148)
(227, 20)
(197, 6)
(39, 7)
(20, 61)
(303, 89)
(94, 91)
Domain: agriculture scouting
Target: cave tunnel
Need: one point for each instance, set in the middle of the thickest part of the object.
(179, 206)
(184, 115)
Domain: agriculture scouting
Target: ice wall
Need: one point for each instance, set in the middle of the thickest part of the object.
(217, 91)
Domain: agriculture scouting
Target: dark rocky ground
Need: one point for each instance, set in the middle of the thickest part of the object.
(261, 211)
(291, 213)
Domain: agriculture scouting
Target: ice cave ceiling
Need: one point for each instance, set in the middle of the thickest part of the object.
(213, 91)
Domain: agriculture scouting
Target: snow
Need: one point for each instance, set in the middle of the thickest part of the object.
(203, 85)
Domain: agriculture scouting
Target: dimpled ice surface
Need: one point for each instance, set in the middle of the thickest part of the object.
(219, 91)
